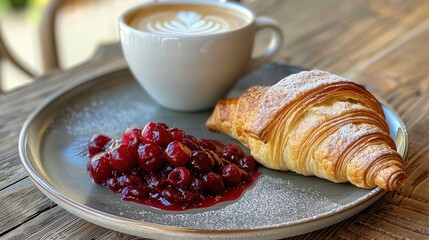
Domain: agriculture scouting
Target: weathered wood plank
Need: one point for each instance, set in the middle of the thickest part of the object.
(11, 176)
(56, 223)
(18, 195)
(390, 220)
(400, 74)
(21, 203)
(365, 31)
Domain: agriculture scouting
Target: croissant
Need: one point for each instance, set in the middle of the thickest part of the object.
(314, 123)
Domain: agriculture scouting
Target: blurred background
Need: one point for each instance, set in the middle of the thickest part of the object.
(81, 26)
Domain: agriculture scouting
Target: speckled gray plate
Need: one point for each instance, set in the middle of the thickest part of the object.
(52, 148)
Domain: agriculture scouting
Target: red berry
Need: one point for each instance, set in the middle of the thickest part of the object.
(179, 177)
(173, 196)
(129, 180)
(248, 163)
(177, 134)
(123, 158)
(113, 184)
(156, 183)
(136, 172)
(225, 162)
(246, 177)
(232, 152)
(203, 146)
(192, 138)
(138, 191)
(177, 154)
(163, 125)
(232, 174)
(190, 144)
(88, 165)
(213, 145)
(132, 137)
(201, 161)
(150, 157)
(191, 196)
(198, 185)
(96, 144)
(153, 132)
(166, 169)
(213, 183)
(100, 169)
(218, 161)
(115, 142)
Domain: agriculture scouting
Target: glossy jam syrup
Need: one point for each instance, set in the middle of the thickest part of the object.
(164, 168)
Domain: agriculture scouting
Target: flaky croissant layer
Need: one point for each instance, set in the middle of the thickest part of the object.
(314, 123)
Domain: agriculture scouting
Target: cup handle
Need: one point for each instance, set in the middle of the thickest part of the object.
(275, 43)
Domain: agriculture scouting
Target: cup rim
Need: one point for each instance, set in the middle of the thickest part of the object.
(231, 5)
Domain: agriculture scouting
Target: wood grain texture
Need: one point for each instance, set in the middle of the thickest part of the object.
(380, 43)
(20, 203)
(18, 195)
(56, 223)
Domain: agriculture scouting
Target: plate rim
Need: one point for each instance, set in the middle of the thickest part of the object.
(82, 210)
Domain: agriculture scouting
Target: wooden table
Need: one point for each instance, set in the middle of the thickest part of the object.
(382, 44)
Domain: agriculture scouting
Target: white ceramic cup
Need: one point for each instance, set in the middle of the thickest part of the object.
(191, 72)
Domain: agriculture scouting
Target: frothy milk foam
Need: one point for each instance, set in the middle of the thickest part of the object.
(186, 19)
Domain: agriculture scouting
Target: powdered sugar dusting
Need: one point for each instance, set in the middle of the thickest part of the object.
(272, 201)
(101, 115)
(286, 91)
(305, 81)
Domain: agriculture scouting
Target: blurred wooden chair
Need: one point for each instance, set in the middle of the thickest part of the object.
(49, 51)
(49, 47)
(47, 33)
(5, 54)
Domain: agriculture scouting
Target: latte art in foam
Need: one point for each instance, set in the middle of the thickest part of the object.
(188, 23)
(187, 20)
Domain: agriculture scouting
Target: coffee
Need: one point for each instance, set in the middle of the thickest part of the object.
(187, 54)
(186, 19)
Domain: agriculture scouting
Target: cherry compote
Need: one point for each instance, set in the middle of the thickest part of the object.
(164, 168)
